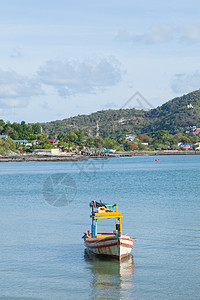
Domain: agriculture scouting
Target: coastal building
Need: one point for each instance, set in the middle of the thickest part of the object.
(46, 151)
(54, 141)
(23, 142)
(193, 129)
(189, 106)
(186, 146)
(197, 131)
(130, 137)
(197, 146)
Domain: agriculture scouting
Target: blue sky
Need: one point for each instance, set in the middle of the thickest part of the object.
(63, 58)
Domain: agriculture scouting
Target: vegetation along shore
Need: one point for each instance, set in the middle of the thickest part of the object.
(172, 128)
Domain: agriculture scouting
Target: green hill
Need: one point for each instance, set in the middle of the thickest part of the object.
(173, 116)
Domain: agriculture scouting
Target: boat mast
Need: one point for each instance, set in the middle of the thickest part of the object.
(94, 228)
(94, 222)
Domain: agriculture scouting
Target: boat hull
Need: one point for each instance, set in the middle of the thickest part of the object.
(116, 247)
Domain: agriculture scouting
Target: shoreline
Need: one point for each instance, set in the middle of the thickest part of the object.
(78, 157)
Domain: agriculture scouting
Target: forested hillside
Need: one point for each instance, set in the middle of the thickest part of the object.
(110, 122)
(173, 116)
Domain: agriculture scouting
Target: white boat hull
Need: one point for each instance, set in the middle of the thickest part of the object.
(117, 247)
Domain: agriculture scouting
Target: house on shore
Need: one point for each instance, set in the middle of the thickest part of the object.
(197, 146)
(186, 146)
(54, 141)
(23, 142)
(130, 137)
(46, 151)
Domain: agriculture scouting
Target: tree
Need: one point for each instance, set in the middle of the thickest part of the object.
(46, 145)
(129, 147)
(145, 138)
(2, 123)
(98, 142)
(36, 129)
(121, 139)
(23, 123)
(63, 145)
(90, 142)
(72, 136)
(142, 147)
(1, 128)
(51, 136)
(63, 137)
(110, 143)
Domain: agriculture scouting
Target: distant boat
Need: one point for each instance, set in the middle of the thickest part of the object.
(110, 244)
(157, 159)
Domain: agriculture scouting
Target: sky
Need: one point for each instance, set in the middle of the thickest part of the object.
(65, 58)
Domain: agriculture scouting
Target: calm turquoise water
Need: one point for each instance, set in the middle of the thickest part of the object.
(41, 250)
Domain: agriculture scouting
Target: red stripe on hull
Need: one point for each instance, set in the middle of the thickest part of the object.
(127, 239)
(124, 244)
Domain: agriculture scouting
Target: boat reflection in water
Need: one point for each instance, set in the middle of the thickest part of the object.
(111, 279)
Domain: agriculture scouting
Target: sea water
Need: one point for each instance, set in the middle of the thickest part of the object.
(44, 211)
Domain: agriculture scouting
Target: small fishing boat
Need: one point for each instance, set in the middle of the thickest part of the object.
(111, 244)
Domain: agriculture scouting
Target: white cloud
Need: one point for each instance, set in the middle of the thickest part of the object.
(184, 83)
(66, 78)
(16, 90)
(155, 35)
(16, 53)
(191, 33)
(162, 34)
(77, 77)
